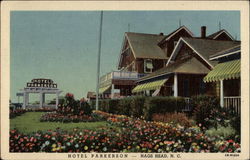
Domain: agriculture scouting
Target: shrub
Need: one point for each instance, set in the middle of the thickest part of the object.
(137, 105)
(203, 109)
(162, 105)
(209, 114)
(86, 108)
(124, 106)
(104, 105)
(225, 132)
(113, 106)
(70, 106)
(175, 118)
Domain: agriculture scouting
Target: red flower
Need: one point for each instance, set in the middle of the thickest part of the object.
(230, 141)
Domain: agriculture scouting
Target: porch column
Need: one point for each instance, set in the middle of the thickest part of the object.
(112, 91)
(57, 99)
(24, 99)
(41, 100)
(43, 94)
(175, 85)
(27, 98)
(221, 94)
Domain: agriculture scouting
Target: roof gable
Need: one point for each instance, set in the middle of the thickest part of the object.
(170, 35)
(217, 34)
(203, 48)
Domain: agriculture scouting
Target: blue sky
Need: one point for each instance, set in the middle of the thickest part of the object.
(63, 45)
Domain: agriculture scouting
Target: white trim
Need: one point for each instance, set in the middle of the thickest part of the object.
(145, 65)
(181, 39)
(224, 55)
(175, 48)
(154, 76)
(183, 27)
(224, 31)
(120, 57)
(175, 85)
(221, 94)
(129, 43)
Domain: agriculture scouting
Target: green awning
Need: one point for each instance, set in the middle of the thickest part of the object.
(224, 71)
(103, 89)
(149, 86)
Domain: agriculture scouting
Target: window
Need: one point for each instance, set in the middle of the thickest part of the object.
(133, 66)
(148, 66)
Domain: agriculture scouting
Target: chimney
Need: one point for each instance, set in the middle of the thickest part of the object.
(161, 34)
(203, 32)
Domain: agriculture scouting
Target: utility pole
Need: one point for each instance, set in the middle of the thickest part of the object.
(98, 64)
(179, 22)
(219, 26)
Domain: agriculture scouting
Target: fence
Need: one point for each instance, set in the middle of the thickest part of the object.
(187, 107)
(233, 102)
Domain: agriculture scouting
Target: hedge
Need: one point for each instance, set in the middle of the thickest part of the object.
(162, 105)
(138, 106)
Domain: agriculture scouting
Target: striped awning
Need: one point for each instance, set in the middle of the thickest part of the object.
(224, 71)
(103, 89)
(149, 86)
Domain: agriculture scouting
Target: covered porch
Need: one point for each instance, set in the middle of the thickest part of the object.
(174, 84)
(228, 75)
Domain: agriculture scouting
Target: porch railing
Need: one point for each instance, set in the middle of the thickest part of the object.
(121, 75)
(187, 106)
(233, 102)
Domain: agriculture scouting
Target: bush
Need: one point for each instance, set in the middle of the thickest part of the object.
(113, 106)
(124, 106)
(162, 105)
(86, 108)
(174, 118)
(70, 106)
(137, 105)
(209, 114)
(225, 132)
(104, 105)
(203, 109)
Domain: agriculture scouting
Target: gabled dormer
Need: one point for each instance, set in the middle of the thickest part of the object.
(221, 35)
(169, 41)
(140, 53)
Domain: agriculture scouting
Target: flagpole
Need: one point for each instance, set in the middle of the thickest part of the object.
(98, 64)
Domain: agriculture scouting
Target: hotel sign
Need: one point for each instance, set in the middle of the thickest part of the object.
(47, 83)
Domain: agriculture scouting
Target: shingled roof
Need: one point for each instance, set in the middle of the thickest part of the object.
(233, 50)
(208, 47)
(174, 32)
(145, 45)
(214, 35)
(204, 47)
(189, 65)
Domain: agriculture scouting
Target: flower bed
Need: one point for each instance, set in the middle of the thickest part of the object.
(134, 135)
(16, 112)
(57, 117)
(19, 112)
(70, 110)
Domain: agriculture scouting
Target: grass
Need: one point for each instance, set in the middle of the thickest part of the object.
(29, 122)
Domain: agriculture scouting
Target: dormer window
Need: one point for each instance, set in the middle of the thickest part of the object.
(148, 66)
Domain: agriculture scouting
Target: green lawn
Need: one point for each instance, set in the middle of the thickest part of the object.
(29, 122)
